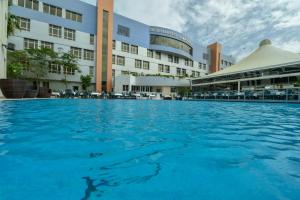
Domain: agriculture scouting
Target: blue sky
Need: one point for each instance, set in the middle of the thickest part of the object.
(238, 24)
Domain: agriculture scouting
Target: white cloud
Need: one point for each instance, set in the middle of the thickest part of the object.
(154, 12)
(238, 24)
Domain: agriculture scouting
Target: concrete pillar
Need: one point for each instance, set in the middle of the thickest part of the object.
(239, 89)
(3, 38)
(104, 45)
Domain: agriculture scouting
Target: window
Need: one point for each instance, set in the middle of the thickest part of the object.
(54, 69)
(91, 71)
(124, 72)
(113, 59)
(24, 23)
(113, 73)
(200, 65)
(146, 65)
(121, 60)
(31, 4)
(54, 30)
(204, 66)
(160, 68)
(30, 44)
(150, 53)
(170, 58)
(191, 63)
(167, 69)
(105, 53)
(76, 52)
(52, 10)
(92, 39)
(125, 88)
(47, 45)
(134, 49)
(170, 42)
(138, 64)
(186, 62)
(178, 71)
(205, 56)
(10, 2)
(158, 55)
(198, 74)
(70, 34)
(88, 55)
(184, 72)
(176, 60)
(123, 30)
(77, 17)
(193, 74)
(125, 47)
(69, 71)
(114, 44)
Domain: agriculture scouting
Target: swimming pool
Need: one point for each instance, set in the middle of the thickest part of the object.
(97, 149)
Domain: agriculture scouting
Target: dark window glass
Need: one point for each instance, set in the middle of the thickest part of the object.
(170, 42)
(123, 30)
(104, 44)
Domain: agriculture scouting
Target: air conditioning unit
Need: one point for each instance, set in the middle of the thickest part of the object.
(11, 46)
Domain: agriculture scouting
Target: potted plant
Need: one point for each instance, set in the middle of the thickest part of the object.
(14, 86)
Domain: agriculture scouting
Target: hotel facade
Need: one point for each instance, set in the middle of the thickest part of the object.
(121, 54)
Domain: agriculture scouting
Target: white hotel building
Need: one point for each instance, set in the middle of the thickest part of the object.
(121, 54)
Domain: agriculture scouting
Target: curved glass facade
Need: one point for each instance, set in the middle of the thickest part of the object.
(170, 42)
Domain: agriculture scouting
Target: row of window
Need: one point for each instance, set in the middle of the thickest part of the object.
(226, 63)
(142, 64)
(195, 74)
(55, 31)
(87, 54)
(157, 55)
(69, 34)
(188, 62)
(120, 60)
(34, 44)
(173, 59)
(163, 68)
(139, 64)
(56, 69)
(49, 9)
(129, 48)
(181, 72)
(202, 66)
(76, 52)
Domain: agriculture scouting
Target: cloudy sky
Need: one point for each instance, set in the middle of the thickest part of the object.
(238, 24)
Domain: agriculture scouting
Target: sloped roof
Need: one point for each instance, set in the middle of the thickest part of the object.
(265, 56)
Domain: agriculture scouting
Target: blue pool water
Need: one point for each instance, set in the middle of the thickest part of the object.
(135, 150)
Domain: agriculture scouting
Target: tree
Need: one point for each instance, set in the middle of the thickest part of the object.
(12, 24)
(184, 91)
(16, 63)
(39, 61)
(69, 64)
(85, 81)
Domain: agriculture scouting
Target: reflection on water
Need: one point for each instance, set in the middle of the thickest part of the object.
(90, 149)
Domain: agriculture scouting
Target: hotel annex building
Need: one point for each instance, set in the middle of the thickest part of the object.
(120, 54)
